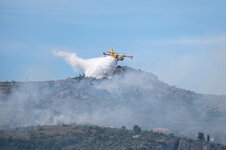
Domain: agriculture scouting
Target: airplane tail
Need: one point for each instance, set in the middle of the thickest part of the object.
(131, 57)
(105, 54)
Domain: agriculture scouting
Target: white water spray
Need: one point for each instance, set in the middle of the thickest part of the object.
(95, 67)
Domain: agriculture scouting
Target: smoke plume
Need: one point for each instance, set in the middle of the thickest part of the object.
(130, 97)
(95, 67)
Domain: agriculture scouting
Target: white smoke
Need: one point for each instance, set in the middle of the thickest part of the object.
(95, 67)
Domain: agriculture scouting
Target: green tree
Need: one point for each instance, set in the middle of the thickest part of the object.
(136, 129)
(201, 136)
(123, 127)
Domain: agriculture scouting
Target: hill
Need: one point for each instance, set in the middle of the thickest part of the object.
(129, 97)
(94, 137)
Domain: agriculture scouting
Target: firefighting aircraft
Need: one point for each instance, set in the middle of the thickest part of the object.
(115, 55)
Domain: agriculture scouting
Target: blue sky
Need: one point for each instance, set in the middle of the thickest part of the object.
(183, 42)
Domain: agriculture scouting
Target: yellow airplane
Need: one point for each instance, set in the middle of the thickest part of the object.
(116, 56)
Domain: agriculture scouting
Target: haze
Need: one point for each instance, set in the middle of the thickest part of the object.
(183, 42)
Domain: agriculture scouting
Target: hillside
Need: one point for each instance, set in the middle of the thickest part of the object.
(94, 137)
(129, 97)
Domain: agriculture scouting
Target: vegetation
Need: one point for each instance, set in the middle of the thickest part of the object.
(90, 137)
(201, 136)
(136, 129)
